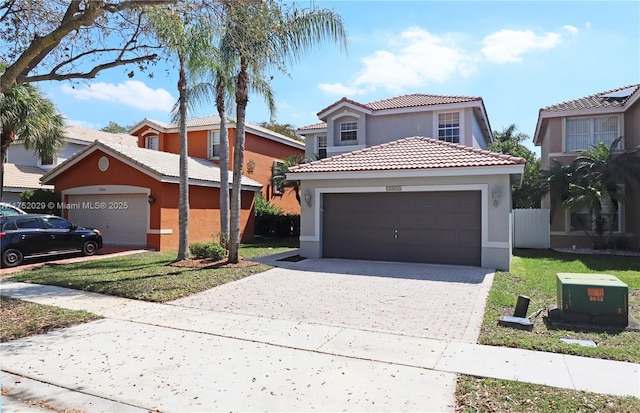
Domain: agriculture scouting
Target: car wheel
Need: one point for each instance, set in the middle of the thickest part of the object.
(89, 248)
(12, 257)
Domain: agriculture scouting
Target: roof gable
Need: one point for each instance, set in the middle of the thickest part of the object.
(213, 122)
(409, 154)
(164, 166)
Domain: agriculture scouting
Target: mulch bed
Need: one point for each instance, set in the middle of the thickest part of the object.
(201, 263)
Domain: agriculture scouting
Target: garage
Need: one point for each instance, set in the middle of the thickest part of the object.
(415, 200)
(121, 218)
(429, 227)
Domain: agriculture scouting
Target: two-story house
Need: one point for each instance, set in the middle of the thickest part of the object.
(566, 128)
(263, 149)
(406, 179)
(23, 167)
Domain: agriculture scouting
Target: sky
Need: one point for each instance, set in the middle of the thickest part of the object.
(518, 56)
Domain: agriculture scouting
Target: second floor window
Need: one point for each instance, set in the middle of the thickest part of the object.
(583, 133)
(449, 127)
(348, 131)
(46, 160)
(214, 144)
(322, 147)
(151, 142)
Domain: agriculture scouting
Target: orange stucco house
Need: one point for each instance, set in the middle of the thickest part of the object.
(263, 148)
(131, 195)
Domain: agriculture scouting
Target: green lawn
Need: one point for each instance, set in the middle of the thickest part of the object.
(149, 276)
(475, 395)
(21, 319)
(533, 274)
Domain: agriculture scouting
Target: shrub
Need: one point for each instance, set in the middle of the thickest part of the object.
(207, 250)
(272, 222)
(42, 197)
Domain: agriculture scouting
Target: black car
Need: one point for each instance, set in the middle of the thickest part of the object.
(37, 234)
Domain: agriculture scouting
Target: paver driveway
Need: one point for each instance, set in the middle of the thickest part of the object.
(420, 300)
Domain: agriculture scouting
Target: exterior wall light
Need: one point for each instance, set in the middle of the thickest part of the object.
(308, 198)
(151, 199)
(496, 197)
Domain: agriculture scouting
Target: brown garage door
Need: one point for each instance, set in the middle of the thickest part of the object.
(430, 227)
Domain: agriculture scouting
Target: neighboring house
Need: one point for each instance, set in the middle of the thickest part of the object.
(564, 129)
(20, 178)
(23, 168)
(389, 192)
(348, 125)
(263, 149)
(131, 195)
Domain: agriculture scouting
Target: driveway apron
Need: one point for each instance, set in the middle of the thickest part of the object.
(420, 300)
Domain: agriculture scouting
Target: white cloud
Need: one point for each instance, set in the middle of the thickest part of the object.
(571, 29)
(81, 123)
(507, 46)
(131, 93)
(340, 89)
(416, 58)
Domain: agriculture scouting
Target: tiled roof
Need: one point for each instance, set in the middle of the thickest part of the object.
(90, 135)
(22, 176)
(320, 125)
(608, 99)
(407, 101)
(160, 163)
(409, 153)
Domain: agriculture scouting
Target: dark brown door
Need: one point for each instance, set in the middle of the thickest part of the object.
(429, 227)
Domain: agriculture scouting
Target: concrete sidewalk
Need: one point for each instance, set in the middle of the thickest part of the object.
(306, 347)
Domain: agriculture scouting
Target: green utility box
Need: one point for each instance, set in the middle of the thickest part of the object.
(599, 299)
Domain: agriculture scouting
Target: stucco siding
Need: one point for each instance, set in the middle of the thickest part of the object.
(383, 129)
(632, 126)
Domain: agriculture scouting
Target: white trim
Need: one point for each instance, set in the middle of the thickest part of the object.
(344, 148)
(412, 173)
(322, 115)
(345, 114)
(106, 190)
(150, 132)
(166, 231)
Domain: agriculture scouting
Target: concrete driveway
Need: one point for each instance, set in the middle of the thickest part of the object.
(419, 300)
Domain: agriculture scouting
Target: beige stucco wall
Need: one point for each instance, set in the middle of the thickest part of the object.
(496, 220)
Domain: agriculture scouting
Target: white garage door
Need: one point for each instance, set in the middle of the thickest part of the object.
(122, 218)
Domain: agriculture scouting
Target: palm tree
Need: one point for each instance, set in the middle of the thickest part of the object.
(594, 183)
(607, 171)
(279, 177)
(187, 37)
(28, 116)
(263, 34)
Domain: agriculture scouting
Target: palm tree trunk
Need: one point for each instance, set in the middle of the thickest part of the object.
(224, 166)
(242, 99)
(183, 204)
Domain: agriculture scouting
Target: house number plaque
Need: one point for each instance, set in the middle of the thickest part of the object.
(394, 188)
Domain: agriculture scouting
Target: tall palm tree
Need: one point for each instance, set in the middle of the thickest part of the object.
(262, 35)
(184, 35)
(28, 116)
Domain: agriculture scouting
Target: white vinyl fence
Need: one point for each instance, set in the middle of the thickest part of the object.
(531, 228)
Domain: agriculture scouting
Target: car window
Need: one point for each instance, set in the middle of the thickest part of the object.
(7, 210)
(28, 223)
(57, 223)
(9, 226)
